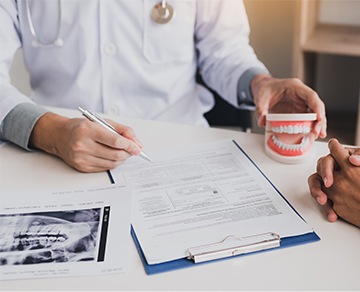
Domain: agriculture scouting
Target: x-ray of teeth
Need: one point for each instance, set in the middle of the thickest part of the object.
(66, 236)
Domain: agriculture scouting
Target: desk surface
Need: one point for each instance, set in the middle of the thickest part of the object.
(330, 264)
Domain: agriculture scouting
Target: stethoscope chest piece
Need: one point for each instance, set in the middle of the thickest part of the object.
(162, 12)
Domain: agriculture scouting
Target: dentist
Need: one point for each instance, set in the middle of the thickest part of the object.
(135, 58)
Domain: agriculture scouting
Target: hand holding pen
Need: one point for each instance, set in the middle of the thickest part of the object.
(84, 145)
(95, 118)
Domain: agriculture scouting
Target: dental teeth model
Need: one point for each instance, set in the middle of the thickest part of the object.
(287, 137)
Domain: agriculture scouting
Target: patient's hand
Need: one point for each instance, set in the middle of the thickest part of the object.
(336, 183)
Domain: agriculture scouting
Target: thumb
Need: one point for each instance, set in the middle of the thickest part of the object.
(262, 109)
(355, 159)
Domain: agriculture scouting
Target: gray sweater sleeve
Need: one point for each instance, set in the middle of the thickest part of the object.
(245, 96)
(19, 123)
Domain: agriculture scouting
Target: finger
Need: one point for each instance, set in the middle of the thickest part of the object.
(355, 159)
(331, 215)
(261, 111)
(315, 183)
(314, 103)
(261, 120)
(95, 164)
(340, 154)
(325, 168)
(85, 161)
(126, 132)
(319, 128)
(110, 154)
(113, 140)
(130, 134)
(96, 157)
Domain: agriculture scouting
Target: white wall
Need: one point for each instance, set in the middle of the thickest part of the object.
(345, 12)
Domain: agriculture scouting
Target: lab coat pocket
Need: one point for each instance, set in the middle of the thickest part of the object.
(172, 41)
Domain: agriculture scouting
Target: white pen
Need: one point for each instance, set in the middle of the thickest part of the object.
(95, 118)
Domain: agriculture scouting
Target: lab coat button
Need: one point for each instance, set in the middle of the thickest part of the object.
(110, 49)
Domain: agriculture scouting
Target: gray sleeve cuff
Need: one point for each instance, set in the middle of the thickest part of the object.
(19, 123)
(245, 97)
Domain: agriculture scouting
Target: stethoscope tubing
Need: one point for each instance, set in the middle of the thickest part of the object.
(159, 18)
(37, 41)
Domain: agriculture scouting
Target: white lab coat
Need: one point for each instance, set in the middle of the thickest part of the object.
(115, 59)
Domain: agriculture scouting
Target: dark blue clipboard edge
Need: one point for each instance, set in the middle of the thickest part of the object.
(185, 263)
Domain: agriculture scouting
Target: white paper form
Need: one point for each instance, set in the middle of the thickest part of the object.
(199, 196)
(65, 233)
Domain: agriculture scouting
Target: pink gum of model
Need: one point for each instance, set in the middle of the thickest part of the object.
(287, 137)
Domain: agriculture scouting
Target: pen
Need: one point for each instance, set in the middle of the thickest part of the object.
(95, 118)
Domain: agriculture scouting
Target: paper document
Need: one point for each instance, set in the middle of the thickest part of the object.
(201, 195)
(64, 233)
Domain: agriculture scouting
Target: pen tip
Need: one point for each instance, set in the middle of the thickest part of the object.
(145, 156)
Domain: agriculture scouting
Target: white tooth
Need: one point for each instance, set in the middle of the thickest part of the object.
(16, 241)
(52, 238)
(281, 129)
(43, 240)
(290, 129)
(306, 130)
(297, 129)
(61, 239)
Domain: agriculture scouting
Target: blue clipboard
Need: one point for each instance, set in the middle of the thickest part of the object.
(186, 262)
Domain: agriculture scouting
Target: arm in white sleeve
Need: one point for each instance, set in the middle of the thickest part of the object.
(18, 113)
(226, 60)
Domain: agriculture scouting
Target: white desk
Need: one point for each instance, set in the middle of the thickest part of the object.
(330, 264)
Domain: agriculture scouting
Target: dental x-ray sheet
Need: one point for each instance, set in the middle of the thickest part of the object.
(65, 233)
(200, 195)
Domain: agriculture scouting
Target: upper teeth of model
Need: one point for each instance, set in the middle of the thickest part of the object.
(297, 129)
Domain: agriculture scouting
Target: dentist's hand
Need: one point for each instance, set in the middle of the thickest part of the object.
(272, 95)
(332, 174)
(82, 144)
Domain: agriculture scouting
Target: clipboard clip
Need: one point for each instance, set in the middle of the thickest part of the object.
(232, 246)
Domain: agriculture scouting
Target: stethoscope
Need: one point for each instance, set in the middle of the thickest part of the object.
(37, 42)
(162, 12)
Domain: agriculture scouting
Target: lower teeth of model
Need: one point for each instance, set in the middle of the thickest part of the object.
(290, 147)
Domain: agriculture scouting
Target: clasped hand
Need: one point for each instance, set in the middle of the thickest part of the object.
(336, 183)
